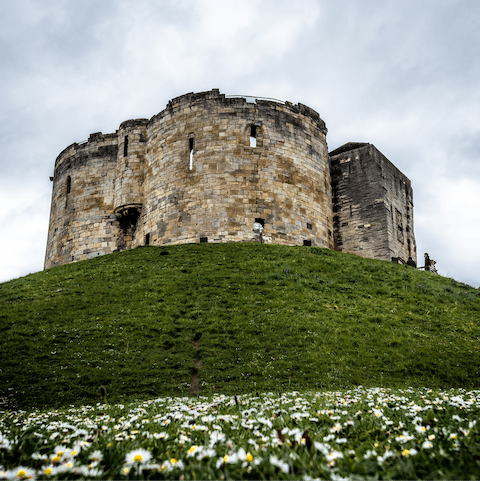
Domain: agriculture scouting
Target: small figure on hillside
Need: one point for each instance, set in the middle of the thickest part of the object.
(429, 264)
(411, 262)
(258, 229)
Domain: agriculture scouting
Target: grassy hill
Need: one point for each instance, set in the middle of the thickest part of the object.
(231, 318)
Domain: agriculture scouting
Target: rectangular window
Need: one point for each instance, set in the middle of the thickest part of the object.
(309, 226)
(147, 239)
(125, 146)
(307, 243)
(190, 149)
(203, 239)
(253, 136)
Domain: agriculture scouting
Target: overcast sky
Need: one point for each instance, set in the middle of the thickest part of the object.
(403, 75)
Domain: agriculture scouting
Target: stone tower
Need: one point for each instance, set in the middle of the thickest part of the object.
(372, 204)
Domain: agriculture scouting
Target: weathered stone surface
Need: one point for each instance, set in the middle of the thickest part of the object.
(156, 186)
(372, 204)
(193, 173)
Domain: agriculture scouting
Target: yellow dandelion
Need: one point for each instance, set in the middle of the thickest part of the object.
(249, 457)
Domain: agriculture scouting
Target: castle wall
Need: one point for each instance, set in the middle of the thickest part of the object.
(205, 168)
(219, 193)
(82, 220)
(372, 203)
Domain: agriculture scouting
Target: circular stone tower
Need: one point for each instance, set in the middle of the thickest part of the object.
(208, 168)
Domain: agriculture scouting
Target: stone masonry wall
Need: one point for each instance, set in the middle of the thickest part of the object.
(372, 203)
(282, 182)
(82, 221)
(207, 168)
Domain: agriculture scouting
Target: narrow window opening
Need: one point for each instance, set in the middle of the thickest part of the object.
(409, 248)
(350, 211)
(69, 184)
(190, 149)
(203, 239)
(147, 239)
(125, 146)
(309, 226)
(307, 243)
(253, 136)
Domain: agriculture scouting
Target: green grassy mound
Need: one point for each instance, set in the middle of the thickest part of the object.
(231, 318)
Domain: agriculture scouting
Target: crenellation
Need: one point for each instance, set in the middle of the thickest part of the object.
(192, 173)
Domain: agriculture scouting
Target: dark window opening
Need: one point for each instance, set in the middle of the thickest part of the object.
(253, 136)
(147, 239)
(203, 239)
(260, 221)
(125, 146)
(69, 184)
(409, 248)
(307, 243)
(398, 216)
(309, 226)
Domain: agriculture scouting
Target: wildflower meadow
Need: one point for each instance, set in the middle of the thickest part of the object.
(373, 433)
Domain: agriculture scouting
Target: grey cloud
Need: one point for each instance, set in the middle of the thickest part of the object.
(401, 75)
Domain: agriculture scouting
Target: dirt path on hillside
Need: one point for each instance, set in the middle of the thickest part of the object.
(195, 384)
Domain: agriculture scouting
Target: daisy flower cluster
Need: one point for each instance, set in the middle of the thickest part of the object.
(409, 433)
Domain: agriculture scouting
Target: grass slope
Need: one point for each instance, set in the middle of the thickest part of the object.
(233, 318)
